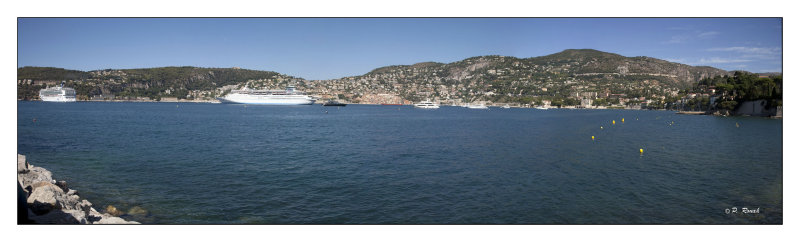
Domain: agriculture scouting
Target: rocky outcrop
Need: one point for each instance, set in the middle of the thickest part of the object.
(47, 201)
(22, 164)
(113, 211)
(42, 199)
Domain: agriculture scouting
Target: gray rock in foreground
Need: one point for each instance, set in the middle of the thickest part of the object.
(51, 202)
(42, 199)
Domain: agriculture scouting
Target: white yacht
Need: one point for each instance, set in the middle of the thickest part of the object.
(268, 97)
(426, 104)
(477, 106)
(57, 94)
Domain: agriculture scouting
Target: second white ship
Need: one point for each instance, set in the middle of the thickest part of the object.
(57, 94)
(268, 97)
(427, 105)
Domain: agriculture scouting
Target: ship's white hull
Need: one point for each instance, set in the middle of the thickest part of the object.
(267, 99)
(60, 99)
(426, 106)
(57, 94)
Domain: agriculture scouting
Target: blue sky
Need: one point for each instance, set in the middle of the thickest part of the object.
(325, 48)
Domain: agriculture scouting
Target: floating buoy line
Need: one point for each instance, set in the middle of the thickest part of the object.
(622, 120)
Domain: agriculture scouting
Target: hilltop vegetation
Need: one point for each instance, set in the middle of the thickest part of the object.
(50, 73)
(733, 90)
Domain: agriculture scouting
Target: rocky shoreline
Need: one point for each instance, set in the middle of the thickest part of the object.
(42, 200)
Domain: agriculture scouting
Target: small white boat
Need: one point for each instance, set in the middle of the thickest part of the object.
(427, 105)
(506, 106)
(542, 108)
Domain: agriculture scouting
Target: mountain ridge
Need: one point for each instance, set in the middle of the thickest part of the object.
(568, 74)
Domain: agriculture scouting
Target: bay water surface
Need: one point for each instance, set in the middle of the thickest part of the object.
(195, 163)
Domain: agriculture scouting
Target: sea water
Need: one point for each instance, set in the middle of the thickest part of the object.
(195, 163)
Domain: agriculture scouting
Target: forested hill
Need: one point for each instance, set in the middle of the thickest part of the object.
(581, 64)
(572, 75)
(50, 73)
(585, 61)
(180, 82)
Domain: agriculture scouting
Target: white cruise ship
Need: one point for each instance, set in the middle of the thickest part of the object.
(426, 104)
(57, 94)
(268, 97)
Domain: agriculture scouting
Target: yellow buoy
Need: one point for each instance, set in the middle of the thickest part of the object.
(592, 137)
(641, 151)
(623, 120)
(601, 127)
(737, 124)
(613, 122)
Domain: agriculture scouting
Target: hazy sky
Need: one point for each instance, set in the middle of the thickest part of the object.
(325, 48)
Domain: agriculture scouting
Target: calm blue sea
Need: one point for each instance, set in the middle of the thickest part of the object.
(367, 164)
